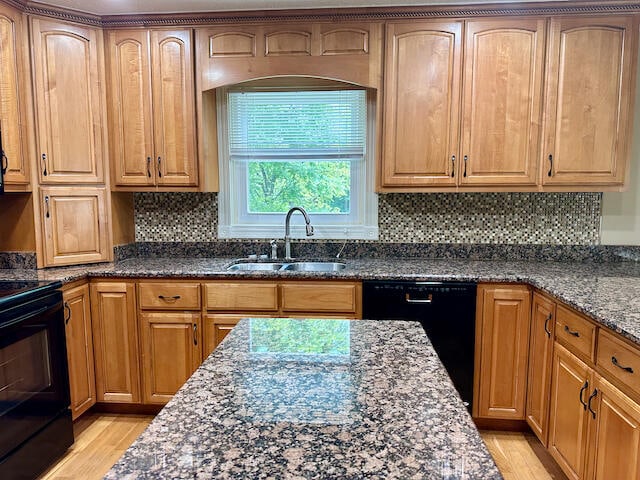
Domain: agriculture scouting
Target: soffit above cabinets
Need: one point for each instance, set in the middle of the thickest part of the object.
(127, 7)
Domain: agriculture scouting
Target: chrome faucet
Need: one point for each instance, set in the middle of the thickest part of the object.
(287, 238)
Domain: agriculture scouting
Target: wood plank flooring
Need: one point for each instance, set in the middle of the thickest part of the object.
(102, 438)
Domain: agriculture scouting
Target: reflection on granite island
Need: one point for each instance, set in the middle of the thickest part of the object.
(285, 398)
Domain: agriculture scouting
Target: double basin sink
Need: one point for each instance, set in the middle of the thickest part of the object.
(288, 266)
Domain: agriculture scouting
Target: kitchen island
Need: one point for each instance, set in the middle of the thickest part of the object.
(304, 398)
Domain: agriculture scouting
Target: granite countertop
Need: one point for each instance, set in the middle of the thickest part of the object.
(303, 399)
(607, 292)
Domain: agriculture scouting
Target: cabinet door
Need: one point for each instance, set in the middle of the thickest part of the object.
(218, 326)
(571, 384)
(502, 101)
(82, 377)
(614, 435)
(13, 86)
(422, 83)
(130, 119)
(74, 225)
(68, 101)
(589, 97)
(502, 343)
(173, 107)
(540, 357)
(115, 339)
(171, 352)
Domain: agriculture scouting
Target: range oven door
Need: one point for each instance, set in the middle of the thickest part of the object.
(34, 383)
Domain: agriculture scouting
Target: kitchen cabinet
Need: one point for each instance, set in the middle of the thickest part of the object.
(75, 225)
(589, 100)
(171, 352)
(421, 103)
(115, 337)
(541, 337)
(502, 346)
(69, 104)
(82, 378)
(14, 81)
(152, 108)
(576, 332)
(501, 104)
(217, 326)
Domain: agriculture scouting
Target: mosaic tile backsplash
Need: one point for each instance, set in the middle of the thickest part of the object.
(444, 218)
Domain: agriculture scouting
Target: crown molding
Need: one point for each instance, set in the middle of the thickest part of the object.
(584, 7)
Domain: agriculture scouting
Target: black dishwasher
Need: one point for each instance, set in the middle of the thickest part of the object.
(446, 311)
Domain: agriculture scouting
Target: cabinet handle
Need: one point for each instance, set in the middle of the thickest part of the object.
(584, 387)
(159, 169)
(44, 164)
(453, 166)
(546, 322)
(195, 334)
(571, 332)
(4, 163)
(67, 310)
(466, 157)
(169, 299)
(46, 204)
(614, 360)
(550, 172)
(408, 299)
(149, 167)
(591, 397)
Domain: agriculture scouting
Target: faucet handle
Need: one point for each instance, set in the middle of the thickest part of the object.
(274, 249)
(309, 230)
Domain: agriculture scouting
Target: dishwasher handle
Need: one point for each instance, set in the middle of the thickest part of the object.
(408, 299)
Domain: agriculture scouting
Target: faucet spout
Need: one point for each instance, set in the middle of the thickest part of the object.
(287, 229)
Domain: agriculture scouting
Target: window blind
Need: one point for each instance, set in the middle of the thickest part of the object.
(297, 125)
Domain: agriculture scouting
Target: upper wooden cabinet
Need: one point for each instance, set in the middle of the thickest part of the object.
(502, 101)
(421, 103)
(590, 93)
(69, 103)
(14, 81)
(152, 108)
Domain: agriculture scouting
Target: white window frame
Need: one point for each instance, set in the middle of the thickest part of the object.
(232, 222)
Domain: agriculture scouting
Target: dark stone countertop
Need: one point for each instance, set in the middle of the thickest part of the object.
(607, 292)
(307, 399)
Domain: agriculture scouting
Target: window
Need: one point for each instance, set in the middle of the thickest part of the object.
(281, 148)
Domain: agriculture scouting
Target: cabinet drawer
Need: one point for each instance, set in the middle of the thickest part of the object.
(619, 359)
(320, 297)
(169, 296)
(576, 332)
(245, 296)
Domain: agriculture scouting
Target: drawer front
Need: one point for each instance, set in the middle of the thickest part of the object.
(245, 296)
(619, 359)
(169, 296)
(319, 297)
(575, 332)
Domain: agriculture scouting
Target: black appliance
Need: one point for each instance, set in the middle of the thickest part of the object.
(446, 311)
(35, 418)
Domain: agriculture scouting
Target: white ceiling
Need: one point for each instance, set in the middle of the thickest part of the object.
(115, 7)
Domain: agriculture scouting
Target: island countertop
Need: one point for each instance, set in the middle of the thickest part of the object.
(302, 399)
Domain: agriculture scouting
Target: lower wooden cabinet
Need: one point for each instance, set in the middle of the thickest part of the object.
(115, 338)
(75, 226)
(541, 336)
(171, 352)
(502, 347)
(82, 378)
(217, 327)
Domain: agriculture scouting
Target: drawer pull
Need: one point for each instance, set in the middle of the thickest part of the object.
(584, 387)
(571, 332)
(408, 299)
(591, 397)
(614, 360)
(169, 299)
(546, 322)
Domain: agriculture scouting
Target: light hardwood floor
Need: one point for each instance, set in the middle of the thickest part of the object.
(101, 438)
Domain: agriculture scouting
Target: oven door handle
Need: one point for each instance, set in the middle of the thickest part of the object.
(408, 299)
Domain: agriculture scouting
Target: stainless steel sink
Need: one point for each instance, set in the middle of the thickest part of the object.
(313, 267)
(255, 266)
(288, 267)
